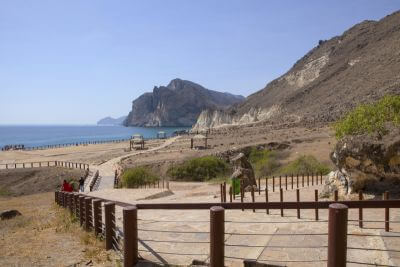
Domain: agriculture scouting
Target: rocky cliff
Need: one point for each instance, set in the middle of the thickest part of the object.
(359, 66)
(177, 104)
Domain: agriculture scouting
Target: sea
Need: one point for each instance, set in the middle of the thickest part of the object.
(36, 136)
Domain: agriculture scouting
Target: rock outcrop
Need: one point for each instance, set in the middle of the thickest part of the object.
(366, 163)
(243, 171)
(177, 104)
(360, 66)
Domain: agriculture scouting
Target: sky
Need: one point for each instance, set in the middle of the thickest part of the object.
(75, 62)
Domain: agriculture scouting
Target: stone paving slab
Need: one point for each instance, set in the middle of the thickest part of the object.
(273, 239)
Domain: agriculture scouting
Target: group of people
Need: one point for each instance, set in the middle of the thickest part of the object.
(68, 187)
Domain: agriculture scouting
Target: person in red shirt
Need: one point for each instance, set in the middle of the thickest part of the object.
(66, 187)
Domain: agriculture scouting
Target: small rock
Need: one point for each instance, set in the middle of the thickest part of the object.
(9, 214)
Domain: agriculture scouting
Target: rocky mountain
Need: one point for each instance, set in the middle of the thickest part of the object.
(111, 121)
(177, 104)
(359, 66)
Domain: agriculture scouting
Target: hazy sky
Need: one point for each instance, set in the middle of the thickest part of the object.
(74, 62)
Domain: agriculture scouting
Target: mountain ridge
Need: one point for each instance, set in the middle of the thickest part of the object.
(359, 66)
(177, 104)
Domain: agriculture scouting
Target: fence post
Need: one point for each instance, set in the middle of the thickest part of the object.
(308, 179)
(217, 236)
(298, 202)
(109, 210)
(336, 198)
(130, 236)
(230, 194)
(97, 216)
(81, 209)
(224, 191)
(297, 180)
(76, 200)
(55, 196)
(252, 196)
(88, 213)
(302, 180)
(241, 195)
(360, 211)
(312, 179)
(286, 182)
(273, 183)
(266, 197)
(280, 181)
(281, 200)
(337, 235)
(316, 207)
(386, 197)
(292, 181)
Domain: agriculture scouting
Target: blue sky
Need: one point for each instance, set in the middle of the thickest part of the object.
(74, 62)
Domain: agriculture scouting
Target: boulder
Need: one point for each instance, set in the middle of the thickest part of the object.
(243, 171)
(366, 162)
(9, 214)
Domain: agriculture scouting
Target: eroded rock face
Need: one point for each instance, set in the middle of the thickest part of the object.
(366, 163)
(244, 171)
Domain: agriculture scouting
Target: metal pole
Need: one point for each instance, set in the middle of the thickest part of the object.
(273, 183)
(252, 196)
(298, 202)
(360, 210)
(266, 197)
(130, 236)
(337, 235)
(316, 208)
(281, 199)
(217, 236)
(109, 211)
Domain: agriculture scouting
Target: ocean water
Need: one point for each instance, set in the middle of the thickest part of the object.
(33, 136)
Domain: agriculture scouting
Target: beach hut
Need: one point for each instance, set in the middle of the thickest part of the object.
(198, 137)
(161, 135)
(136, 139)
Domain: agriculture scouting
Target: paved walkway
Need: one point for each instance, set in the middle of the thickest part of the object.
(178, 237)
(107, 169)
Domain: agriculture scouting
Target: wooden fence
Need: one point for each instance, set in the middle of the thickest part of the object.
(39, 164)
(76, 144)
(89, 212)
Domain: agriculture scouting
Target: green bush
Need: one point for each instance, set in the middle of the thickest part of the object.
(264, 162)
(304, 164)
(199, 169)
(135, 177)
(370, 118)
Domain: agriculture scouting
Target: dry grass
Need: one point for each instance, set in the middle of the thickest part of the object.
(48, 235)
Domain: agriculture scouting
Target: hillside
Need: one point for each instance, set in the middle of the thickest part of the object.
(359, 66)
(177, 104)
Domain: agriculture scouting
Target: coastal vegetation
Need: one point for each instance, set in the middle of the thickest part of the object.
(137, 176)
(199, 169)
(269, 162)
(305, 164)
(370, 118)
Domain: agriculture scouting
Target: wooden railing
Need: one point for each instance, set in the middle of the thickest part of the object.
(39, 164)
(89, 211)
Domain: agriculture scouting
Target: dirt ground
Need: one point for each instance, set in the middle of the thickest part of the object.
(19, 182)
(45, 235)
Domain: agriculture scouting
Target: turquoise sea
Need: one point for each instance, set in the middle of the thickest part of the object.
(33, 136)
